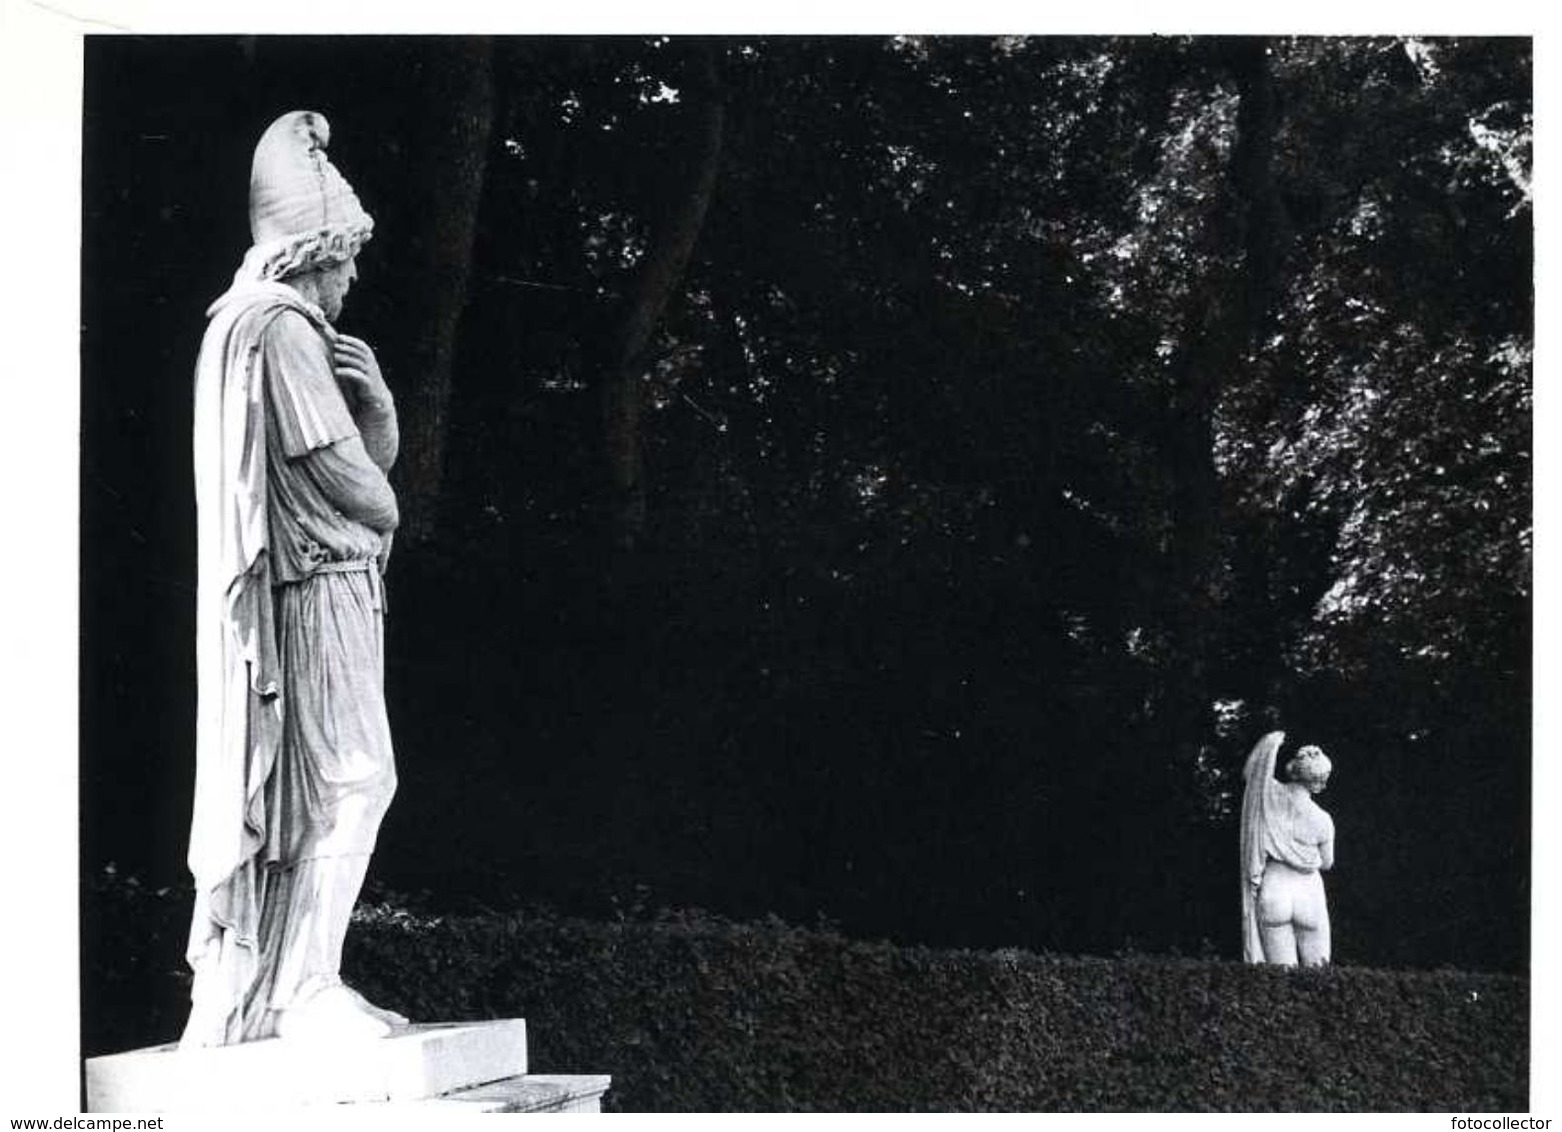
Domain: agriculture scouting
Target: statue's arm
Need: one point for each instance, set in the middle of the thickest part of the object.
(1326, 847)
(1261, 759)
(314, 424)
(1259, 785)
(353, 482)
(368, 398)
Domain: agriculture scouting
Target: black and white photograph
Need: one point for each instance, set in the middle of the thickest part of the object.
(795, 572)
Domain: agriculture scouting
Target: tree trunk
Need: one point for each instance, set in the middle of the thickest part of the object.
(1223, 326)
(461, 85)
(622, 388)
(1264, 231)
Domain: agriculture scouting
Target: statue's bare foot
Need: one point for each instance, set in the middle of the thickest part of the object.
(389, 1017)
(331, 1015)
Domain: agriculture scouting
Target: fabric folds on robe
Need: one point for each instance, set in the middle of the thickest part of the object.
(1258, 801)
(238, 671)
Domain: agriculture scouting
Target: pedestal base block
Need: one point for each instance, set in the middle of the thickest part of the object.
(536, 1093)
(412, 1063)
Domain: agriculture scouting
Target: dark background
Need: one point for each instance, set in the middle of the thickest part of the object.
(886, 482)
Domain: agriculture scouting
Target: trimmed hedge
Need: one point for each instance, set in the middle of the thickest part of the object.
(696, 1014)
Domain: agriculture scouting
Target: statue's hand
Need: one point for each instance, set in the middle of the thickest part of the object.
(358, 372)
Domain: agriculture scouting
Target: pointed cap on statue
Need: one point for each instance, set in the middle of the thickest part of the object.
(294, 190)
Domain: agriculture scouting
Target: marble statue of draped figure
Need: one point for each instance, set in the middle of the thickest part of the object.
(295, 432)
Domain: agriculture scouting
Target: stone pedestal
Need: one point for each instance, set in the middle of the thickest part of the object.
(534, 1093)
(477, 1066)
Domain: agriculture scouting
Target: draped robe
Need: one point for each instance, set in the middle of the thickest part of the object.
(280, 786)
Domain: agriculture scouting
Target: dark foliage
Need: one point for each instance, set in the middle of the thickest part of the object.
(692, 1013)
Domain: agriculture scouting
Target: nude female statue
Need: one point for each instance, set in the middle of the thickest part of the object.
(1287, 841)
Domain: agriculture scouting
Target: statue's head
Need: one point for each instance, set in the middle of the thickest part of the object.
(303, 215)
(1310, 768)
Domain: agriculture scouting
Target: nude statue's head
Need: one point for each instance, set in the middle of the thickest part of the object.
(1310, 768)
